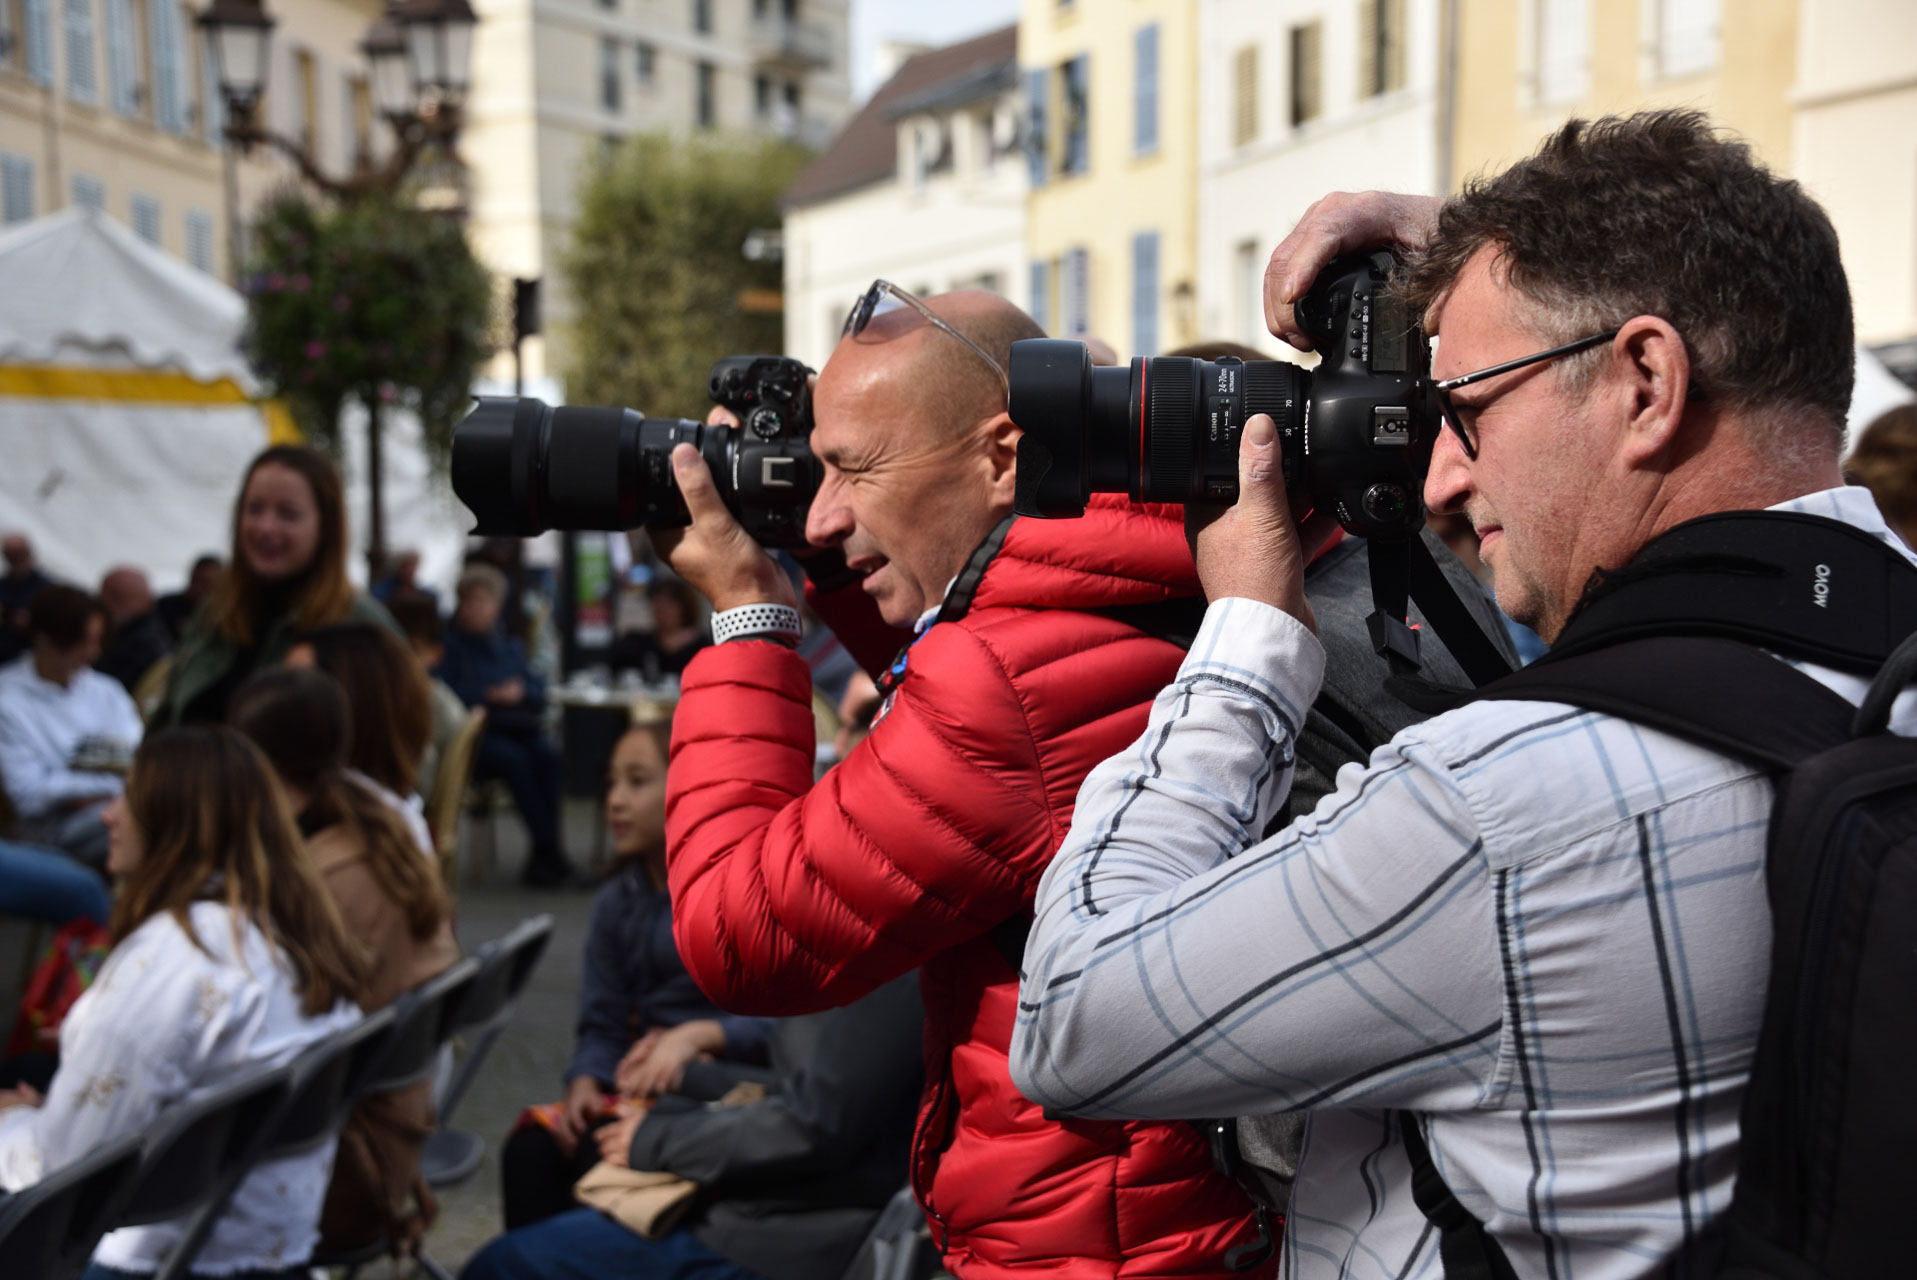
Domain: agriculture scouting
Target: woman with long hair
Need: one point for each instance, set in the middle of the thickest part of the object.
(287, 575)
(641, 1018)
(394, 907)
(228, 957)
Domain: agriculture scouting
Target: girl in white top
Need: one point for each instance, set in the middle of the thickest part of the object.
(229, 957)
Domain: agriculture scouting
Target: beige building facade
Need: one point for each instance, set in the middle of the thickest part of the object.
(1298, 98)
(1854, 143)
(925, 187)
(112, 103)
(1112, 152)
(555, 82)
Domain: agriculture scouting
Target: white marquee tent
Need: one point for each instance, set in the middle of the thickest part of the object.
(128, 416)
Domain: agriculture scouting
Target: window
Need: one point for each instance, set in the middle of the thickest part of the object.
(306, 101)
(1075, 289)
(88, 193)
(1380, 47)
(1037, 100)
(1306, 42)
(212, 106)
(1145, 293)
(1244, 95)
(706, 104)
(1040, 305)
(609, 81)
(37, 18)
(645, 62)
(166, 28)
(702, 17)
(1075, 116)
(199, 239)
(146, 219)
(1687, 36)
(1563, 41)
(81, 83)
(359, 120)
(762, 95)
(16, 188)
(791, 95)
(123, 77)
(1145, 90)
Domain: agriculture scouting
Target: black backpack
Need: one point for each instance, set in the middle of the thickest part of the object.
(1827, 1165)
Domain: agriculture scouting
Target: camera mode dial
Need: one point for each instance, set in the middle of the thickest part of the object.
(765, 422)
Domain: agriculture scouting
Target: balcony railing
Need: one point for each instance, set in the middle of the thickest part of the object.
(795, 46)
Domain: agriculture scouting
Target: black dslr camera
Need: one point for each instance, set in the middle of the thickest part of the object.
(524, 467)
(1356, 432)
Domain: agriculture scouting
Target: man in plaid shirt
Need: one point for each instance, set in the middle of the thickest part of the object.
(1541, 931)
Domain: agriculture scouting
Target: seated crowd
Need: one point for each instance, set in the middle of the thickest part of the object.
(1483, 987)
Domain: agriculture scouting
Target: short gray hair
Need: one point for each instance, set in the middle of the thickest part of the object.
(482, 577)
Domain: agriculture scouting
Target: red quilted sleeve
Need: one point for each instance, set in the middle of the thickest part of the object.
(790, 898)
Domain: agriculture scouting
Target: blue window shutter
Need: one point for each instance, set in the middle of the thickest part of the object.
(146, 219)
(199, 239)
(122, 86)
(1145, 92)
(82, 79)
(1042, 295)
(169, 80)
(1037, 94)
(212, 105)
(39, 24)
(1145, 293)
(1075, 284)
(16, 188)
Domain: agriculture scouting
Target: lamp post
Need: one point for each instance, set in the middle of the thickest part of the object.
(420, 56)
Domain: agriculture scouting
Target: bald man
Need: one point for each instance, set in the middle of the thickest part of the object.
(1012, 656)
(139, 637)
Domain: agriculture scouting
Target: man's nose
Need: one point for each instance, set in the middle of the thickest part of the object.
(1448, 483)
(829, 522)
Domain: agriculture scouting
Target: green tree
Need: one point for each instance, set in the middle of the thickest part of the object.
(370, 299)
(657, 273)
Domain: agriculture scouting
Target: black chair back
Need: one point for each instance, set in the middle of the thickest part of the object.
(49, 1229)
(192, 1147)
(327, 1080)
(505, 966)
(422, 1022)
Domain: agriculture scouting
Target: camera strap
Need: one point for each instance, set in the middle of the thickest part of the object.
(1404, 571)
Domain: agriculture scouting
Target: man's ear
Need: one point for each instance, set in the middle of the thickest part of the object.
(1656, 370)
(1001, 452)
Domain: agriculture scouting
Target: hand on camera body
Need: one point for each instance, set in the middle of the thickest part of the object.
(1340, 223)
(714, 553)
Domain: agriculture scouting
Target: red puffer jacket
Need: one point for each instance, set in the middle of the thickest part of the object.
(790, 897)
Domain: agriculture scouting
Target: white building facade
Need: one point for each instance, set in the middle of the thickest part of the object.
(926, 188)
(1299, 98)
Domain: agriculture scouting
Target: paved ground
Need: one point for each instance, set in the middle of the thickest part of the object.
(526, 1060)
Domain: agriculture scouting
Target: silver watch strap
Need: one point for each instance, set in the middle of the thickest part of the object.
(778, 621)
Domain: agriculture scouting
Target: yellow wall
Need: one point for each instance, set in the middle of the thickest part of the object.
(1121, 194)
(1499, 122)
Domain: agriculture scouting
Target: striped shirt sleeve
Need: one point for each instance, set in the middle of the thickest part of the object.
(1180, 966)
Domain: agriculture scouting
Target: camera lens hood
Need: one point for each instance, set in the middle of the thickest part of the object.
(496, 456)
(1051, 391)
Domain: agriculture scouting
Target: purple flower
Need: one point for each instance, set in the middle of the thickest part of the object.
(316, 350)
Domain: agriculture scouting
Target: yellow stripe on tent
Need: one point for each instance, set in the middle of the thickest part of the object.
(142, 386)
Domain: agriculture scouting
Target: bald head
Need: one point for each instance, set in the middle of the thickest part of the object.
(952, 389)
(126, 594)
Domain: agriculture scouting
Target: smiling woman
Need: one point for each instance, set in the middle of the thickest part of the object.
(287, 575)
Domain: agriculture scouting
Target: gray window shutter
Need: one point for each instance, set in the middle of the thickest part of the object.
(1145, 293)
(169, 79)
(1037, 137)
(39, 35)
(146, 219)
(1041, 301)
(1145, 92)
(122, 75)
(199, 239)
(16, 189)
(88, 193)
(82, 79)
(1075, 283)
(212, 105)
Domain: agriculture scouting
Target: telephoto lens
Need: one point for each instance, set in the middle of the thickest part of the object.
(523, 466)
(1355, 433)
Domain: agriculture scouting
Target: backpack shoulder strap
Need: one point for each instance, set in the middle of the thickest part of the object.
(1467, 1250)
(1721, 694)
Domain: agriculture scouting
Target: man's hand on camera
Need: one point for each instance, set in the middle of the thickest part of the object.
(1256, 549)
(1340, 223)
(714, 553)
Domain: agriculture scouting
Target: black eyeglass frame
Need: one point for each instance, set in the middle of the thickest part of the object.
(867, 306)
(1444, 388)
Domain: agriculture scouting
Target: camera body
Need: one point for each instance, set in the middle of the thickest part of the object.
(1355, 433)
(524, 467)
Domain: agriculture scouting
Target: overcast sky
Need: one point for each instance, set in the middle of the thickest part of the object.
(931, 22)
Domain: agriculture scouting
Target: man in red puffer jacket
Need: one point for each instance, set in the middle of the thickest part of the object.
(790, 897)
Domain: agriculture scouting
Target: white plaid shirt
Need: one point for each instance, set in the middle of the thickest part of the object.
(1544, 930)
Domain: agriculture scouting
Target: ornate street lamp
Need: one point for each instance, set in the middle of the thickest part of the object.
(439, 43)
(393, 93)
(237, 35)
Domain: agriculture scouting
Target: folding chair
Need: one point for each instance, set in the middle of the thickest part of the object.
(49, 1230)
(320, 1088)
(198, 1152)
(421, 1025)
(505, 966)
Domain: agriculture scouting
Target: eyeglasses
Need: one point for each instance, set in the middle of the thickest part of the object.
(873, 303)
(1445, 388)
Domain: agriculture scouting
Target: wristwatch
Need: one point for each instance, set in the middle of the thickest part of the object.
(778, 622)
